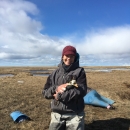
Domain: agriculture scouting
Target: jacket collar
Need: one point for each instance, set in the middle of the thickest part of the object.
(71, 67)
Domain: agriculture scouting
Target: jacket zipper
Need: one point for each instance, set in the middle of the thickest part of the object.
(63, 106)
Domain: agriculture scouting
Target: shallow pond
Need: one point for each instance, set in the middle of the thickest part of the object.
(107, 70)
(6, 75)
(40, 74)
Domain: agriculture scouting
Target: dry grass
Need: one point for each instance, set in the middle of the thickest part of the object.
(27, 98)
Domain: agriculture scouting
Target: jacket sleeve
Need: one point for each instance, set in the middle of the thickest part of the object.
(48, 89)
(75, 93)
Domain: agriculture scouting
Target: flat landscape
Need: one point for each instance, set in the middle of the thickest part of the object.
(21, 90)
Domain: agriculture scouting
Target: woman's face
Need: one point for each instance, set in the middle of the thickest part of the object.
(68, 59)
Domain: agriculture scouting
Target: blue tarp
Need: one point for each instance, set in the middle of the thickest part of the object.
(93, 98)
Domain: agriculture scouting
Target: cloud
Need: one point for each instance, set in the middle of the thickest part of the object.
(20, 32)
(15, 17)
(109, 44)
(22, 42)
(114, 40)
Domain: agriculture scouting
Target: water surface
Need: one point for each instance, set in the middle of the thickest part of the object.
(6, 75)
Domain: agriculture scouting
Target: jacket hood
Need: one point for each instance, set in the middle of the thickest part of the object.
(73, 66)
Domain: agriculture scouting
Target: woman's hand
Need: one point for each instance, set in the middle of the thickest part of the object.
(55, 95)
(61, 88)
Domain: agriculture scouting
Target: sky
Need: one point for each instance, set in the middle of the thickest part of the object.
(34, 32)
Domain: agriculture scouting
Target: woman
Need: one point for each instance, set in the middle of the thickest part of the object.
(67, 86)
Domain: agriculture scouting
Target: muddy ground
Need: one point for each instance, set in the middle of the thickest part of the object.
(23, 92)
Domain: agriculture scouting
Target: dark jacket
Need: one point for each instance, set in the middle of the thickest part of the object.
(70, 100)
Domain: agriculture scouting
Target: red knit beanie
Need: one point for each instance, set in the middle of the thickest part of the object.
(69, 50)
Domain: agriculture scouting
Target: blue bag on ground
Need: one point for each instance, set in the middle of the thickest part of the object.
(93, 98)
(18, 116)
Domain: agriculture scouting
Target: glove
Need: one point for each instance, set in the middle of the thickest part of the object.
(68, 87)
